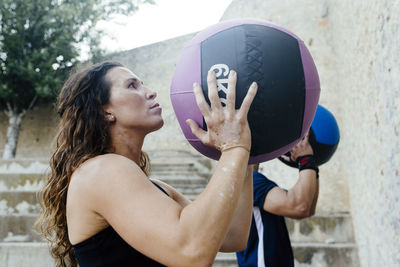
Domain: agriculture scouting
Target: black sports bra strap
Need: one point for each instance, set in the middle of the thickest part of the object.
(159, 187)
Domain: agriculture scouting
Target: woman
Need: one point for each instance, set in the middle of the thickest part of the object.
(99, 207)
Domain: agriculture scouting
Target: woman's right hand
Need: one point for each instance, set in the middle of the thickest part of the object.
(226, 126)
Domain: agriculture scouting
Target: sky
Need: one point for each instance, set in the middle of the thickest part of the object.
(164, 20)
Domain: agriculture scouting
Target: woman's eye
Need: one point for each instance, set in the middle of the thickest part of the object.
(132, 85)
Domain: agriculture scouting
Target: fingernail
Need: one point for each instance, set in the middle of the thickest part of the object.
(194, 84)
(232, 73)
(254, 85)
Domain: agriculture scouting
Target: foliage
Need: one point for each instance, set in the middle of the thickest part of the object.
(39, 44)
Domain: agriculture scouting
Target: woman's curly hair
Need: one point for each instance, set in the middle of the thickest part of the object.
(83, 134)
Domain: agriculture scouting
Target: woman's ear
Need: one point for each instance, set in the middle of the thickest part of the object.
(110, 117)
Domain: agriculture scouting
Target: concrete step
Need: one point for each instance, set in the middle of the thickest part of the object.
(21, 181)
(325, 255)
(162, 166)
(225, 260)
(36, 254)
(327, 230)
(19, 228)
(322, 228)
(32, 254)
(18, 202)
(309, 255)
(25, 202)
(24, 166)
(180, 177)
(18, 195)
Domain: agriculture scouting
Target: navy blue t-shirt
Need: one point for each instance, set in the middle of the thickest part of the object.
(269, 243)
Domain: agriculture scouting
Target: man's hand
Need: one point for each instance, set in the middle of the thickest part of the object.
(301, 149)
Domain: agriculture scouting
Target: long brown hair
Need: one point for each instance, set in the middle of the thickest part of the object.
(83, 134)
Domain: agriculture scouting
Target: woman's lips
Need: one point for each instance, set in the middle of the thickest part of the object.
(156, 105)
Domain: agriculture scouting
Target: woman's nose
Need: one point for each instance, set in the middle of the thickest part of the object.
(151, 94)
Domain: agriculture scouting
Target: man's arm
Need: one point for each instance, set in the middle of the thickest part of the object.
(314, 205)
(299, 201)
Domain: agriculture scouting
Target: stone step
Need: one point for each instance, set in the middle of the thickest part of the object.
(18, 202)
(19, 228)
(36, 254)
(173, 166)
(225, 260)
(32, 254)
(173, 179)
(323, 228)
(181, 176)
(31, 181)
(24, 166)
(25, 202)
(174, 172)
(309, 255)
(182, 155)
(21, 181)
(325, 255)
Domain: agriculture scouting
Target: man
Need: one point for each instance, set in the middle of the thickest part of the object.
(269, 243)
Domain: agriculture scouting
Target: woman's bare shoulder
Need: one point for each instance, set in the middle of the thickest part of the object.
(103, 167)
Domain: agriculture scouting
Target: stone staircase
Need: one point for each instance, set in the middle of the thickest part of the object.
(323, 240)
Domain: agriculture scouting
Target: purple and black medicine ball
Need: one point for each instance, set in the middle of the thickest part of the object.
(280, 63)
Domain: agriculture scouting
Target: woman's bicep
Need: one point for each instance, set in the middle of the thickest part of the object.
(144, 216)
(173, 193)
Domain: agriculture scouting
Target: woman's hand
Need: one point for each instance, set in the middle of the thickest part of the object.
(226, 126)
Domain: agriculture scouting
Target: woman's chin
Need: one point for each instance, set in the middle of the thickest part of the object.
(159, 125)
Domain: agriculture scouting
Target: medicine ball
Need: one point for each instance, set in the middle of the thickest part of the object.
(288, 83)
(324, 137)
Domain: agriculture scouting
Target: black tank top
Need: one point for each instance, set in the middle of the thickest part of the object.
(108, 249)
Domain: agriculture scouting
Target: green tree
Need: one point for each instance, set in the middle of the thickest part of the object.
(39, 44)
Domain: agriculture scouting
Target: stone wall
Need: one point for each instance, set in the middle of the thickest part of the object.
(355, 45)
(38, 129)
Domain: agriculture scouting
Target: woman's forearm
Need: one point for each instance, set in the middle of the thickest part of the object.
(206, 220)
(238, 234)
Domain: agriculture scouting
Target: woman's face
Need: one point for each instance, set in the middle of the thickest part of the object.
(132, 104)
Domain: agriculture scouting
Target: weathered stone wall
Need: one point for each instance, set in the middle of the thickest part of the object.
(38, 129)
(356, 47)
